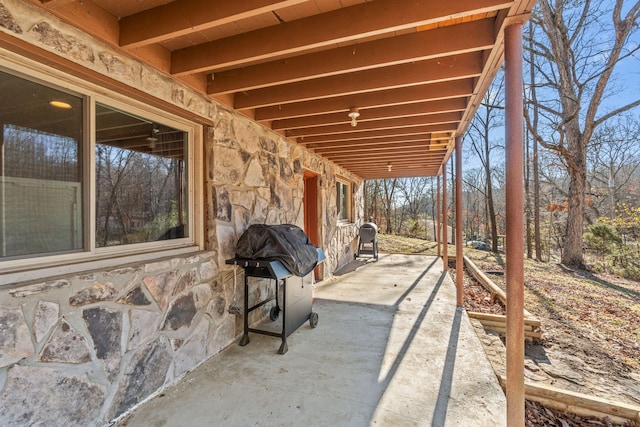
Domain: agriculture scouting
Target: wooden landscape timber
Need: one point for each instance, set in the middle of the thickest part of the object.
(489, 285)
(579, 403)
(498, 323)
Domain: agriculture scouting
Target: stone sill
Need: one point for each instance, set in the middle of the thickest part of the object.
(21, 283)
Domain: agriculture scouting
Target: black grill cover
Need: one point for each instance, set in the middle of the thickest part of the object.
(286, 243)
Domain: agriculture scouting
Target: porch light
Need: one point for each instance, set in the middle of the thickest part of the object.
(354, 114)
(389, 166)
(60, 104)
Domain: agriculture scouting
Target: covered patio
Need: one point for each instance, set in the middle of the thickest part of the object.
(285, 107)
(391, 348)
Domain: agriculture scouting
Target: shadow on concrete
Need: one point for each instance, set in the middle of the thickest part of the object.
(440, 411)
(351, 267)
(379, 356)
(418, 279)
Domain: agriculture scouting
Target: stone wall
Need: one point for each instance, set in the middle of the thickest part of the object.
(257, 178)
(82, 350)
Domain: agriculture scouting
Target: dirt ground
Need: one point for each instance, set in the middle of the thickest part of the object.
(590, 328)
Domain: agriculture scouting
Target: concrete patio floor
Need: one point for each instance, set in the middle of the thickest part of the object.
(390, 349)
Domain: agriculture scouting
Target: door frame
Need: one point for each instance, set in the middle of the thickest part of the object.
(310, 202)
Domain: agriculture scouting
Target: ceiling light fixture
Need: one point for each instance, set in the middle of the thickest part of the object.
(354, 114)
(153, 138)
(60, 104)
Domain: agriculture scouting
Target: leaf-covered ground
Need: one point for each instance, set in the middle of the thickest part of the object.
(591, 322)
(600, 310)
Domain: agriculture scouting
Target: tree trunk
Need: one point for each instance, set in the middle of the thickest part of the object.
(534, 165)
(572, 246)
(490, 204)
(527, 210)
(389, 187)
(536, 202)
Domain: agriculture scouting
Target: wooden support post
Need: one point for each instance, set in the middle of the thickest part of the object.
(459, 242)
(514, 225)
(438, 219)
(445, 231)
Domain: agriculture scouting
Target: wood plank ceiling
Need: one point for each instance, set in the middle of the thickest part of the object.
(415, 71)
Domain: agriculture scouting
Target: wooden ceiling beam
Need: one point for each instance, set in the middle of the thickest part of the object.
(396, 173)
(419, 46)
(367, 114)
(319, 147)
(387, 156)
(325, 29)
(421, 153)
(378, 148)
(412, 161)
(373, 148)
(386, 133)
(401, 174)
(401, 122)
(381, 171)
(395, 166)
(383, 98)
(403, 170)
(87, 16)
(183, 17)
(373, 143)
(393, 77)
(52, 4)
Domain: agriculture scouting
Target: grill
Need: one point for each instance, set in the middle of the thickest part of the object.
(367, 240)
(297, 296)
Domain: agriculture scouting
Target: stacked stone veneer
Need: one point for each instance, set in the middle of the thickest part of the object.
(82, 350)
(257, 178)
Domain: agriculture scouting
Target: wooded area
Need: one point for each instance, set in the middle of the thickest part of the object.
(582, 151)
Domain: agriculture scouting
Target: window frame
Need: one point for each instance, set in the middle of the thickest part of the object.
(41, 266)
(349, 202)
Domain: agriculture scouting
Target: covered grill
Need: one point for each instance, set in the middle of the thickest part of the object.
(284, 254)
(367, 240)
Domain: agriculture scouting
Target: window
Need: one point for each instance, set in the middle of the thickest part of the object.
(82, 174)
(41, 169)
(140, 180)
(343, 201)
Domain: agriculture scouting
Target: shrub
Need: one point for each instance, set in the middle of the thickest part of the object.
(601, 238)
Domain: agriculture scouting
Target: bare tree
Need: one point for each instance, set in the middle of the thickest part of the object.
(612, 166)
(371, 199)
(483, 143)
(413, 195)
(533, 165)
(576, 51)
(388, 201)
(474, 183)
